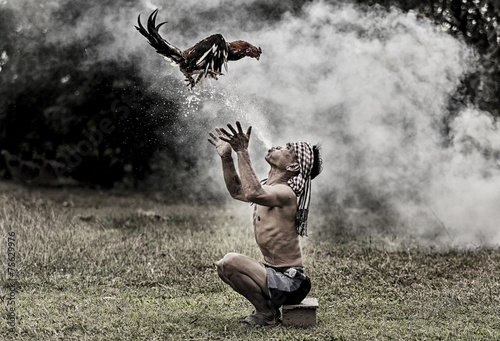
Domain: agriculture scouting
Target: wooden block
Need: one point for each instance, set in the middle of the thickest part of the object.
(303, 314)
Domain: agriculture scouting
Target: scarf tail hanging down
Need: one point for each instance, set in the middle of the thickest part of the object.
(301, 184)
(303, 210)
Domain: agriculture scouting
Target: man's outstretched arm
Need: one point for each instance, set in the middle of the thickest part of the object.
(251, 188)
(231, 177)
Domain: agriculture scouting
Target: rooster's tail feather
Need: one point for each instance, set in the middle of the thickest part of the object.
(162, 46)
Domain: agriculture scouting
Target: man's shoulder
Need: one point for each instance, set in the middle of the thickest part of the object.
(282, 191)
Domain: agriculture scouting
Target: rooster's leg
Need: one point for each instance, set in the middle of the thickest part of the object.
(189, 80)
(209, 71)
(214, 73)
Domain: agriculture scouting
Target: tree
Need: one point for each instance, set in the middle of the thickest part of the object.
(478, 23)
(58, 102)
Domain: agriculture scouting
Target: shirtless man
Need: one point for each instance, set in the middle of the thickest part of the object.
(278, 221)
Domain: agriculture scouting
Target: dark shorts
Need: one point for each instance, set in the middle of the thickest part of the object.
(284, 289)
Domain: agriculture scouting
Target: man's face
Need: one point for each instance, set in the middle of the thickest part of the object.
(281, 157)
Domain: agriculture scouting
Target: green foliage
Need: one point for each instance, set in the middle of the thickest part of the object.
(477, 23)
(60, 102)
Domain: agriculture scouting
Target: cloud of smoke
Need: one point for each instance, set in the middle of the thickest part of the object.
(371, 86)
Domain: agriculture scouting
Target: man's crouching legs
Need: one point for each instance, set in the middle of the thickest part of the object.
(248, 277)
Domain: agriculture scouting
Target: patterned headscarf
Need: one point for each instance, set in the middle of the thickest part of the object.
(301, 184)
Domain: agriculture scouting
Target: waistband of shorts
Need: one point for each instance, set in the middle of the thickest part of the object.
(285, 268)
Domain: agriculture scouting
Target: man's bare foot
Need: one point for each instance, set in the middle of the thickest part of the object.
(242, 319)
(255, 321)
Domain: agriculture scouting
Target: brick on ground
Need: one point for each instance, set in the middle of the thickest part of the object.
(303, 314)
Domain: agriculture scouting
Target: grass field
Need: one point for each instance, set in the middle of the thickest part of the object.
(101, 266)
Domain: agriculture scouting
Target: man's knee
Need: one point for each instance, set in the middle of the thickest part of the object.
(227, 264)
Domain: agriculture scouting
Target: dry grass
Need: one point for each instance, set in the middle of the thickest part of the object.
(103, 266)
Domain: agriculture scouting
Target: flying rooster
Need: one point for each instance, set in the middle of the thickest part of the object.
(205, 59)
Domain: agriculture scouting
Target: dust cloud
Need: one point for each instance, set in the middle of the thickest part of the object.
(372, 87)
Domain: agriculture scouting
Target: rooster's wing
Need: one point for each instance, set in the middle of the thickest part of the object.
(208, 56)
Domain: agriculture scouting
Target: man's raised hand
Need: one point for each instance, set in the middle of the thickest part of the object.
(223, 148)
(237, 139)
